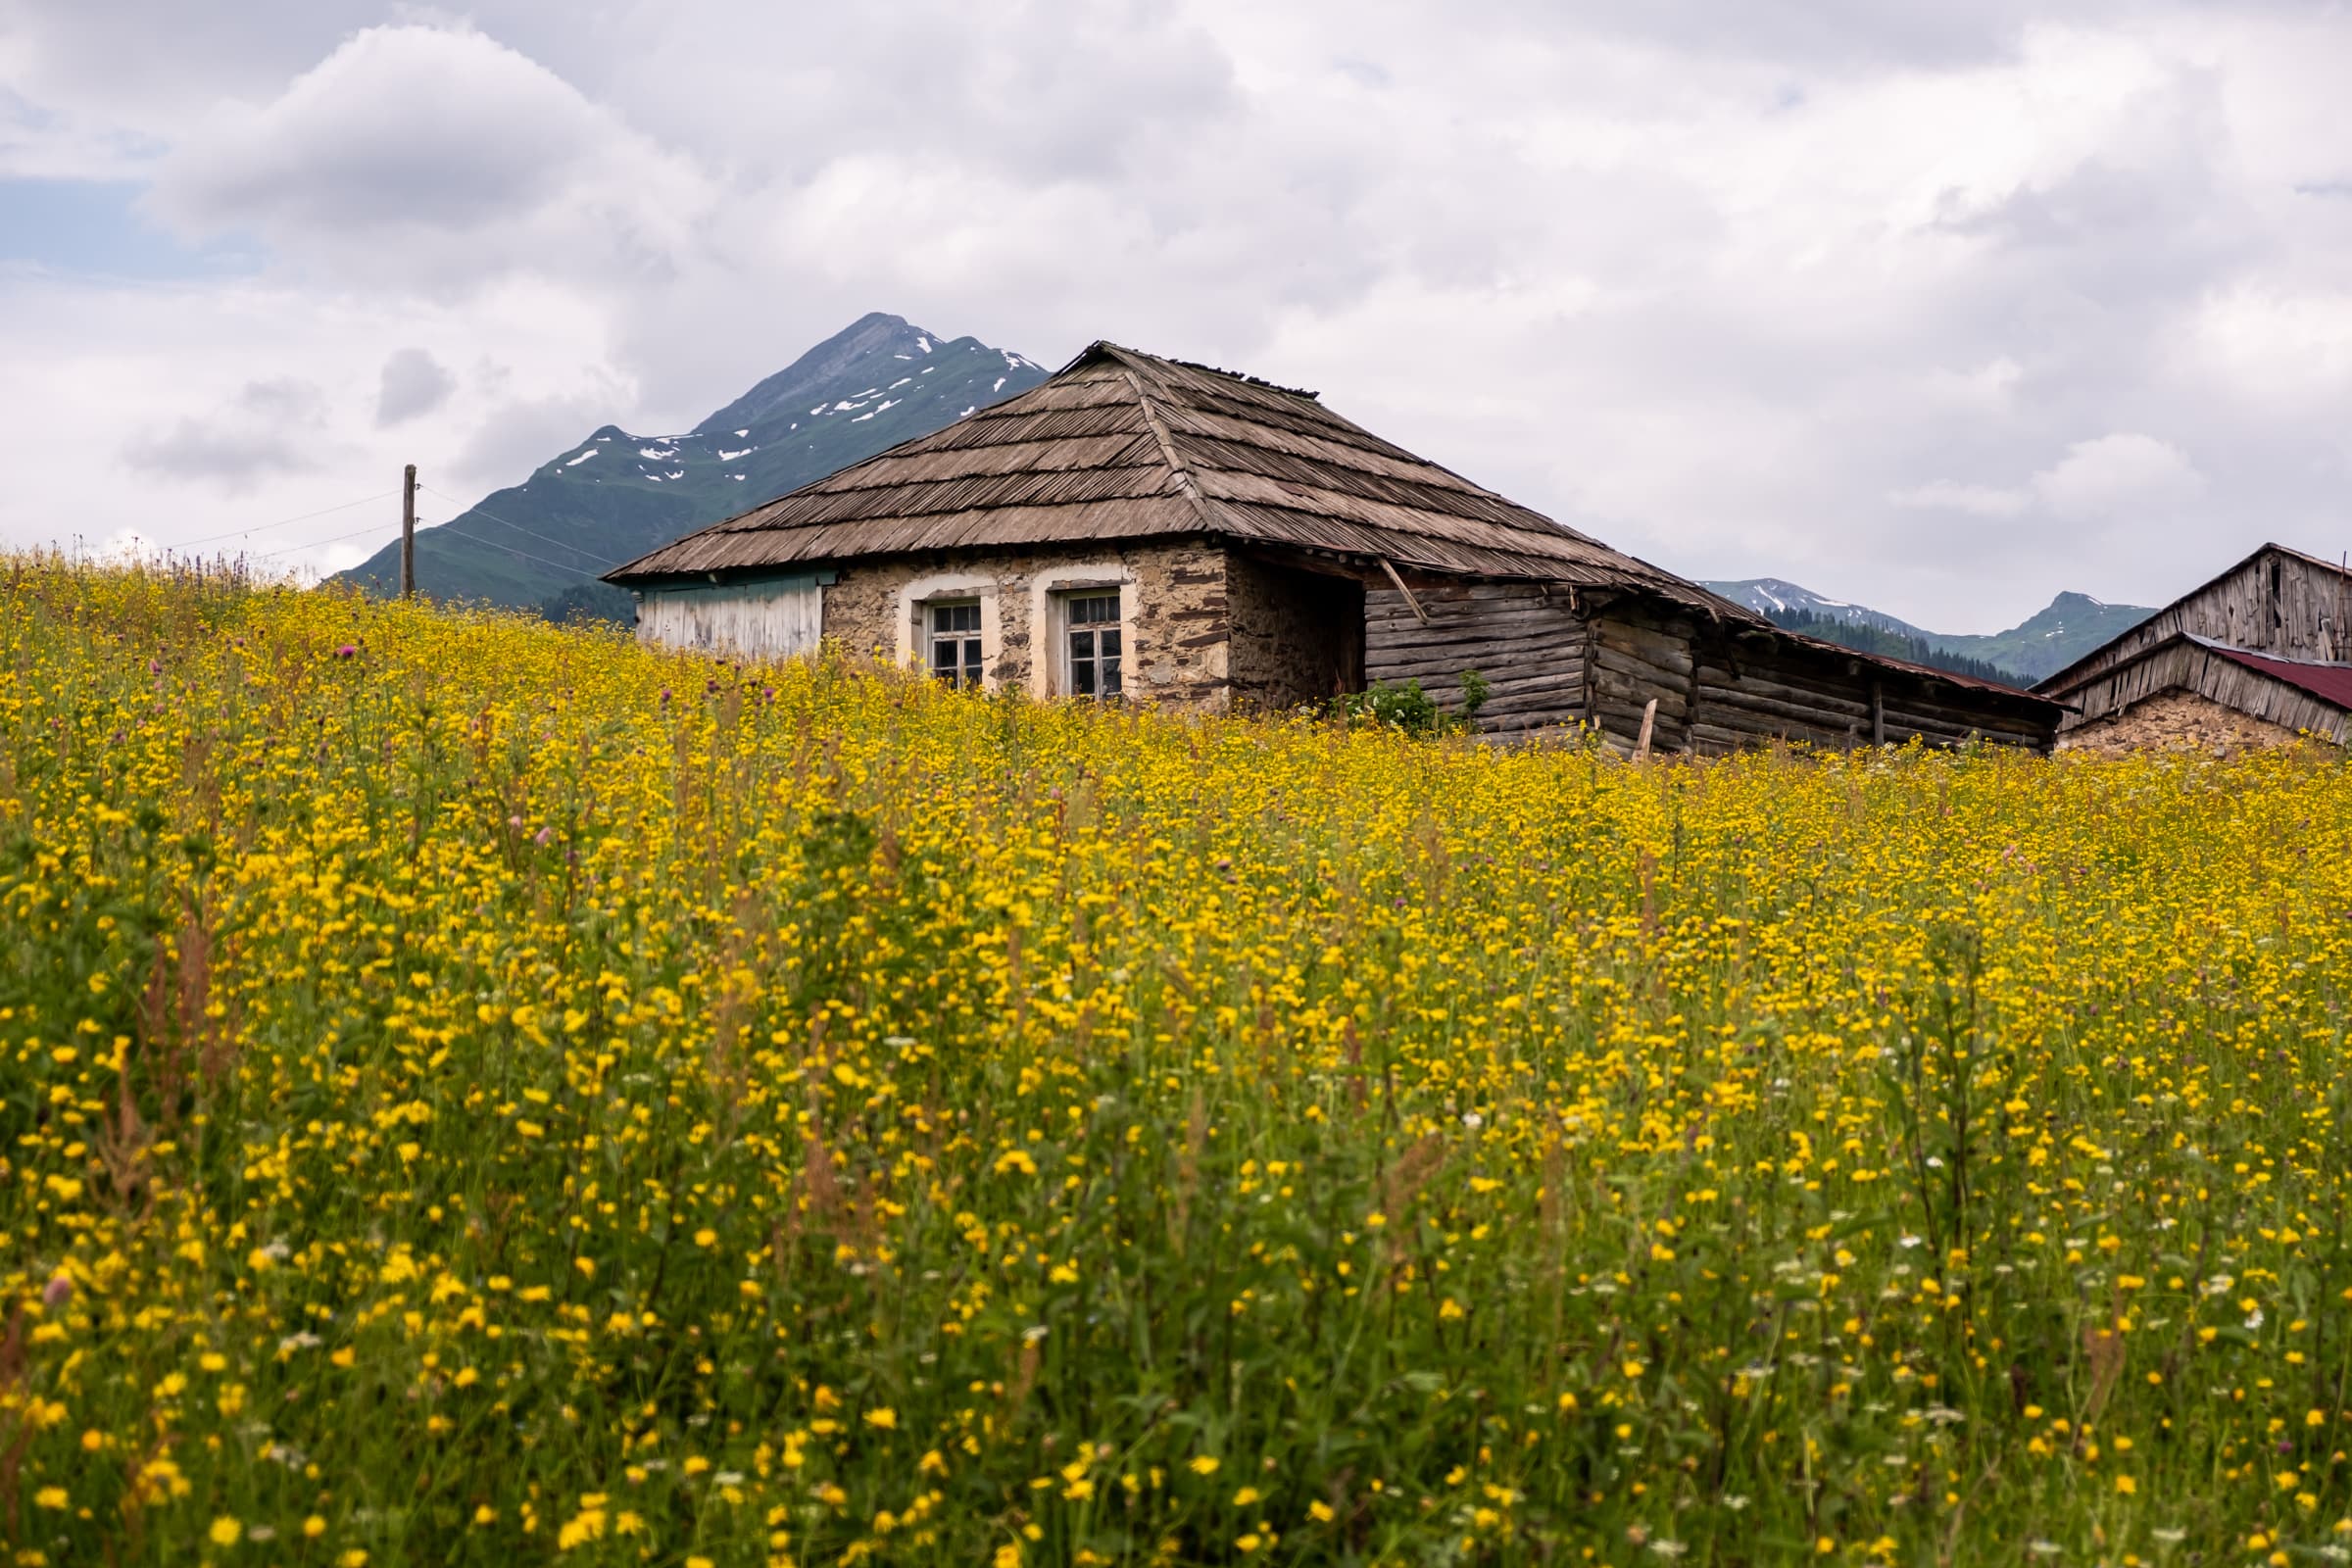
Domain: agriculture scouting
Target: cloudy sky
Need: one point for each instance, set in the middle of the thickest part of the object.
(1942, 305)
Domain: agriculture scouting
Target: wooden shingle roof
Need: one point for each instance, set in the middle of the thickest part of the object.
(1122, 445)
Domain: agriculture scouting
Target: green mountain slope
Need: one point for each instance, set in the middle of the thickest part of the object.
(614, 496)
(2054, 637)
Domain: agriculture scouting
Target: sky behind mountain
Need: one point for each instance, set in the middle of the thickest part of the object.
(1940, 306)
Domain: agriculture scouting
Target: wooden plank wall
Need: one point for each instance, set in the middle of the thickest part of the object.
(1530, 645)
(749, 620)
(2274, 604)
(2187, 667)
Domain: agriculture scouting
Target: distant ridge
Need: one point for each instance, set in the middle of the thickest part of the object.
(2053, 637)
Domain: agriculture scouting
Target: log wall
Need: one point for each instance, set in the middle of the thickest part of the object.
(1720, 689)
(1528, 642)
(1637, 656)
(1752, 691)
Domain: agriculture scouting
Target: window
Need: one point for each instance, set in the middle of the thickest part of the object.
(1092, 645)
(955, 642)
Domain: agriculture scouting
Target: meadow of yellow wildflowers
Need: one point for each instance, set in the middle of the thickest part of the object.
(477, 1093)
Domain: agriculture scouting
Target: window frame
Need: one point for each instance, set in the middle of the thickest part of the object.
(1065, 633)
(970, 671)
(918, 598)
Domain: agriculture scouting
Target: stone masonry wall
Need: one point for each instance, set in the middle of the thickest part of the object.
(1173, 597)
(2176, 720)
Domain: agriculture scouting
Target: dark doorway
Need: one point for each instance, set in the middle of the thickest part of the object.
(1296, 635)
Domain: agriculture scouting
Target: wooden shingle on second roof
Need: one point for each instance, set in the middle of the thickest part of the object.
(1142, 527)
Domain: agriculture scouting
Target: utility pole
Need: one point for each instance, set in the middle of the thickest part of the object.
(407, 532)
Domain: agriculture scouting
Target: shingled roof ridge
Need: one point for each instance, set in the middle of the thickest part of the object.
(1167, 452)
(1119, 351)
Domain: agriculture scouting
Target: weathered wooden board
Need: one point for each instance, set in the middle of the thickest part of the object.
(764, 620)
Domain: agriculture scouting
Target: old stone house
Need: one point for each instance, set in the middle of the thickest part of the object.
(1145, 528)
(2255, 657)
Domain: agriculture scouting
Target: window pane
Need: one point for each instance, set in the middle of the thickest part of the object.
(1082, 644)
(1111, 642)
(971, 660)
(1111, 675)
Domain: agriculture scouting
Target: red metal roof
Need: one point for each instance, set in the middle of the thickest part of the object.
(2329, 683)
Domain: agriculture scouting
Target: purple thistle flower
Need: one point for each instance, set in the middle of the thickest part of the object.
(58, 1292)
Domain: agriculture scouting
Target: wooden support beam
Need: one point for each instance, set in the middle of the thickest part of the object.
(1649, 719)
(1411, 603)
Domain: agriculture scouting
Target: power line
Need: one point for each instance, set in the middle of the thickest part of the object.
(312, 544)
(238, 533)
(551, 565)
(517, 526)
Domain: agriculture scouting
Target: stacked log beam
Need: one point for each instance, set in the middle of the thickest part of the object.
(1529, 644)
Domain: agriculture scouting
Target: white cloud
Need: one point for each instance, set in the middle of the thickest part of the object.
(2284, 348)
(434, 157)
(1978, 500)
(2116, 475)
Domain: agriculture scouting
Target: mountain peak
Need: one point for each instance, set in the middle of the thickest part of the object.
(614, 494)
(872, 337)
